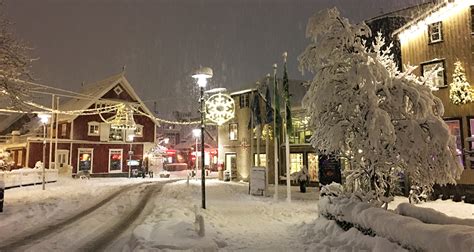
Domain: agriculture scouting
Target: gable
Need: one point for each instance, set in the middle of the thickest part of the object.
(118, 92)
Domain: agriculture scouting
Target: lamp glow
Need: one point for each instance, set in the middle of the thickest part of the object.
(196, 133)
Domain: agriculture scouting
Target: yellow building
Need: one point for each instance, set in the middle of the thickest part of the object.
(440, 36)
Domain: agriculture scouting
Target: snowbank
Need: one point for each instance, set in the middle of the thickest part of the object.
(407, 231)
(431, 216)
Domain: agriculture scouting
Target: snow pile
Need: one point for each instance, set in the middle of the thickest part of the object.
(431, 216)
(409, 232)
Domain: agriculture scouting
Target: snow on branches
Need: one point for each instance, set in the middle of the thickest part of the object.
(361, 107)
(460, 91)
(14, 65)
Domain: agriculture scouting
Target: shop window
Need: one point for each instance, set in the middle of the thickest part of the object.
(296, 162)
(85, 159)
(263, 160)
(244, 100)
(93, 129)
(233, 131)
(438, 79)
(455, 130)
(435, 32)
(301, 134)
(115, 160)
(313, 167)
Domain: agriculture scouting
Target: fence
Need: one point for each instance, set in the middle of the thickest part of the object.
(27, 176)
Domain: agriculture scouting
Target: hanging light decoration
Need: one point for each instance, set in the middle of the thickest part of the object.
(220, 108)
(123, 119)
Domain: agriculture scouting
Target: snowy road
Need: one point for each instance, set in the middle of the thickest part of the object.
(94, 228)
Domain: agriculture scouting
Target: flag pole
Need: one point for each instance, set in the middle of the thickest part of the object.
(259, 128)
(267, 143)
(275, 139)
(287, 143)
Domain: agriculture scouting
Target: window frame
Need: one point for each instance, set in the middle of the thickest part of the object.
(85, 150)
(423, 65)
(236, 138)
(472, 19)
(117, 140)
(121, 160)
(64, 130)
(439, 25)
(461, 129)
(138, 130)
(244, 100)
(93, 124)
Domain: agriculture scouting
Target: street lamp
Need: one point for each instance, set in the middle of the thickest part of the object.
(130, 153)
(202, 75)
(44, 118)
(196, 134)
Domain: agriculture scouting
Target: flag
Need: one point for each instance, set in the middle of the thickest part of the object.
(268, 103)
(289, 123)
(276, 103)
(255, 111)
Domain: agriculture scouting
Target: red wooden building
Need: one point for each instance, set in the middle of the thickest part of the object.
(86, 142)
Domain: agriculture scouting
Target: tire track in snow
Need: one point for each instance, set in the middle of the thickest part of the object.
(39, 233)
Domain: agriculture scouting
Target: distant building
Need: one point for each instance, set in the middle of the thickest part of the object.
(86, 142)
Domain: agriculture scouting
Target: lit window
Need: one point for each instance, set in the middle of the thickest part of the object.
(435, 32)
(63, 129)
(139, 130)
(233, 131)
(93, 129)
(263, 160)
(296, 162)
(115, 160)
(438, 79)
(116, 134)
(20, 158)
(244, 100)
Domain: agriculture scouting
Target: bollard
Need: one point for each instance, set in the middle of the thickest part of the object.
(2, 194)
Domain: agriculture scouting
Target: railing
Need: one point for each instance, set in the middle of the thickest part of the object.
(27, 176)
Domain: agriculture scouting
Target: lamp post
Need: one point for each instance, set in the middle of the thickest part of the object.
(196, 134)
(130, 153)
(44, 118)
(202, 75)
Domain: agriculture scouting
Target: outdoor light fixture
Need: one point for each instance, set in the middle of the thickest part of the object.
(220, 108)
(202, 75)
(123, 118)
(130, 153)
(44, 118)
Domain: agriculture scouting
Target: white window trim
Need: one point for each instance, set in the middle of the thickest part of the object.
(91, 150)
(140, 134)
(121, 161)
(89, 124)
(423, 65)
(124, 136)
(440, 29)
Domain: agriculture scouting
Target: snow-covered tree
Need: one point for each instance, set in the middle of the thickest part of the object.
(460, 91)
(14, 65)
(361, 107)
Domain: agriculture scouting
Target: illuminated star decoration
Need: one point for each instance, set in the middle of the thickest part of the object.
(220, 108)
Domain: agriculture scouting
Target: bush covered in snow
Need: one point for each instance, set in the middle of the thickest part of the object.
(361, 107)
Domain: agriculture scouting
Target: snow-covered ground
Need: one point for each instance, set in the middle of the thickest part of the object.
(234, 220)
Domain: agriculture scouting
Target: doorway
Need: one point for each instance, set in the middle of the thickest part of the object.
(63, 158)
(231, 165)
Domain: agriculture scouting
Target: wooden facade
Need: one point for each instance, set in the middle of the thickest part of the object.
(457, 43)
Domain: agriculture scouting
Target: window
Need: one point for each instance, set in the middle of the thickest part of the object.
(93, 129)
(20, 158)
(115, 160)
(244, 100)
(438, 78)
(296, 162)
(85, 159)
(313, 167)
(435, 32)
(472, 19)
(301, 133)
(118, 90)
(455, 130)
(233, 131)
(263, 160)
(116, 134)
(139, 130)
(63, 129)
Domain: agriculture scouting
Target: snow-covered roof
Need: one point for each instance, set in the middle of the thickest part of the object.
(96, 91)
(421, 15)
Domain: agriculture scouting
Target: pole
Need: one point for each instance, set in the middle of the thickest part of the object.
(275, 139)
(259, 129)
(203, 172)
(130, 159)
(57, 136)
(287, 159)
(51, 133)
(196, 161)
(44, 155)
(267, 157)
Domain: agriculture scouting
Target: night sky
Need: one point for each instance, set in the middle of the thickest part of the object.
(161, 41)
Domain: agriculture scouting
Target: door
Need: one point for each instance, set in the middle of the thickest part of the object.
(63, 158)
(231, 165)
